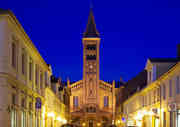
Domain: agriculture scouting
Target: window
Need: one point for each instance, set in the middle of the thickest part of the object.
(106, 101)
(36, 74)
(171, 119)
(178, 119)
(41, 80)
(177, 85)
(23, 103)
(91, 109)
(91, 47)
(164, 119)
(164, 91)
(154, 73)
(143, 101)
(13, 117)
(75, 101)
(46, 78)
(91, 57)
(23, 119)
(37, 120)
(150, 98)
(30, 119)
(13, 112)
(150, 75)
(170, 88)
(13, 55)
(154, 96)
(30, 106)
(30, 69)
(158, 93)
(23, 113)
(13, 99)
(23, 62)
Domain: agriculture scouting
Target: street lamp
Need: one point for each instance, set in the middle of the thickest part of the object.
(98, 124)
(83, 124)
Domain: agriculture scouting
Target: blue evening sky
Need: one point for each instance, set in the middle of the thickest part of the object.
(131, 31)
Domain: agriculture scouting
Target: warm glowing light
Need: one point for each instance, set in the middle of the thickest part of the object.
(98, 124)
(139, 116)
(84, 124)
(139, 123)
(64, 121)
(51, 114)
(59, 119)
(144, 112)
(43, 115)
(118, 121)
(150, 113)
(43, 108)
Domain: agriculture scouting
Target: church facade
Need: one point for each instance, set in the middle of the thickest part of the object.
(92, 101)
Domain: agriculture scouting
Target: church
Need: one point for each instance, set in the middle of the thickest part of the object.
(92, 101)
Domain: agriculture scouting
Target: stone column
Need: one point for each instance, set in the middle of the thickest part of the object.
(19, 108)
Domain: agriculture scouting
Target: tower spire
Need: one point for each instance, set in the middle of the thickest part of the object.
(91, 4)
(91, 30)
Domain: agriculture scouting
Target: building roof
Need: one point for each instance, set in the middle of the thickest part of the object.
(91, 30)
(54, 79)
(118, 84)
(135, 84)
(9, 13)
(164, 60)
(3, 11)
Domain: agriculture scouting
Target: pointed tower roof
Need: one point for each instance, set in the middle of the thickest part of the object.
(91, 30)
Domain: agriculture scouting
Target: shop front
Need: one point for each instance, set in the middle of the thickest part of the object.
(178, 118)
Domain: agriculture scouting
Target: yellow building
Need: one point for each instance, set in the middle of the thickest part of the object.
(55, 110)
(24, 79)
(158, 104)
(92, 101)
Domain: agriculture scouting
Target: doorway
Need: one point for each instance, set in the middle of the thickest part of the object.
(90, 123)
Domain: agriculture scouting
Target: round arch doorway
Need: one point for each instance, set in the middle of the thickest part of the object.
(91, 123)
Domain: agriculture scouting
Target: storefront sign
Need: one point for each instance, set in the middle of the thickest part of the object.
(131, 123)
(172, 107)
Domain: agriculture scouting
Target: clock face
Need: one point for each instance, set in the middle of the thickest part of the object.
(91, 66)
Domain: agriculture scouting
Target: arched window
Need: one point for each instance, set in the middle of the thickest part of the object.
(30, 68)
(13, 55)
(106, 101)
(13, 112)
(23, 113)
(41, 80)
(23, 61)
(75, 101)
(36, 75)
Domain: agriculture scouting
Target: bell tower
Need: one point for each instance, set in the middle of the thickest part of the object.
(91, 43)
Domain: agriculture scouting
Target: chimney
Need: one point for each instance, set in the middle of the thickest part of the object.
(178, 51)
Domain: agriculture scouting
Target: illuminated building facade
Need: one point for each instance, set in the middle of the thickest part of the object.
(92, 101)
(157, 104)
(25, 83)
